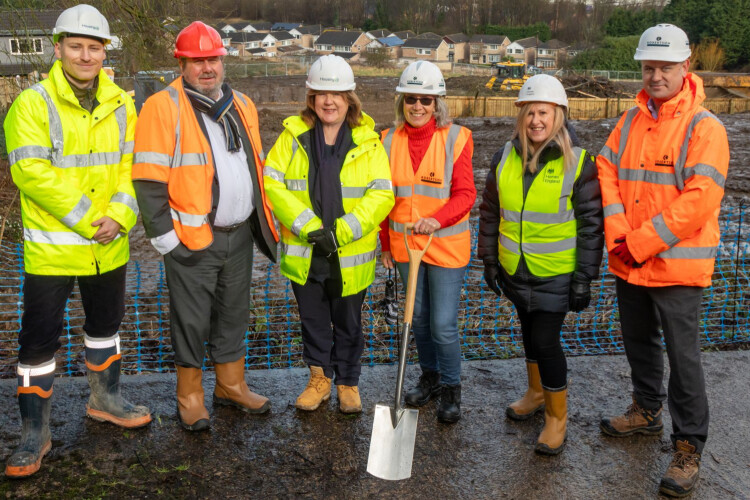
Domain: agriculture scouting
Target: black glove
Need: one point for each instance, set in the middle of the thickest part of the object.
(580, 295)
(324, 240)
(492, 277)
(185, 256)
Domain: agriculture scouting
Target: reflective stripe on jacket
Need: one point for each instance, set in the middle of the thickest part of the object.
(72, 168)
(541, 225)
(424, 193)
(172, 149)
(662, 183)
(366, 192)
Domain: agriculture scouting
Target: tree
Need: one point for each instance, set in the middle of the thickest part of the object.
(732, 24)
(615, 54)
(378, 57)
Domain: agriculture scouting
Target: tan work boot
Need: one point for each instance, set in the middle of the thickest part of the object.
(531, 402)
(682, 473)
(318, 390)
(636, 420)
(349, 401)
(552, 439)
(191, 409)
(232, 390)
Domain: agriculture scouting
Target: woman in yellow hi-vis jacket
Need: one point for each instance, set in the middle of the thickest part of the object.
(541, 239)
(329, 182)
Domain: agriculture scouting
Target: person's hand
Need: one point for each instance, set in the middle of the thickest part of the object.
(492, 277)
(580, 295)
(185, 256)
(108, 229)
(387, 259)
(324, 239)
(426, 225)
(623, 253)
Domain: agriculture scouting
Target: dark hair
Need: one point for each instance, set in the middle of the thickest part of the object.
(353, 114)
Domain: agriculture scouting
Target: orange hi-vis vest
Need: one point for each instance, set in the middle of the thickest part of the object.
(424, 193)
(171, 148)
(662, 182)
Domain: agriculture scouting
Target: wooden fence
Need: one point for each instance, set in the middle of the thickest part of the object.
(579, 108)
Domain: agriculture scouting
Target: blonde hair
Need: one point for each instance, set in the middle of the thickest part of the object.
(442, 114)
(353, 114)
(559, 134)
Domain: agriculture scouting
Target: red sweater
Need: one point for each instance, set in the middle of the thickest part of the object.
(463, 190)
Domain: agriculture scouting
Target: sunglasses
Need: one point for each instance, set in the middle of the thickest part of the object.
(425, 101)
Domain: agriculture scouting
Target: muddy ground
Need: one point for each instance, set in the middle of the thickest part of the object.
(323, 454)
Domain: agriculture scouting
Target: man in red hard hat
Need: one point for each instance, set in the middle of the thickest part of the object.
(197, 174)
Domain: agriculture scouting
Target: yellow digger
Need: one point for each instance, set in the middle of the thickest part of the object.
(512, 76)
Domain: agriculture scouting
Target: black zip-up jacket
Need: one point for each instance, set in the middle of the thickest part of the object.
(533, 293)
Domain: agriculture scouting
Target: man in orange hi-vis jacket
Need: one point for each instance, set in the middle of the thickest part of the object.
(662, 175)
(198, 178)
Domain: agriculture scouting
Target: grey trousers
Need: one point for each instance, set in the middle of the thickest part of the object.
(209, 302)
(678, 309)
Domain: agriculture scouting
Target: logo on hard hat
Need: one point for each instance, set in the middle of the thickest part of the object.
(657, 43)
(329, 79)
(95, 28)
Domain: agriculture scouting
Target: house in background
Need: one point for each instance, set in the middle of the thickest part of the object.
(524, 50)
(551, 54)
(26, 41)
(308, 34)
(458, 47)
(487, 49)
(283, 38)
(257, 27)
(404, 35)
(430, 49)
(375, 34)
(254, 44)
(391, 44)
(285, 26)
(352, 42)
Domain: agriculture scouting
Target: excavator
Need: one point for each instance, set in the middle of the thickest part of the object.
(512, 76)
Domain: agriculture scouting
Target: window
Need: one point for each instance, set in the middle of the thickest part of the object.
(519, 51)
(19, 46)
(451, 46)
(546, 63)
(544, 52)
(269, 44)
(342, 48)
(493, 47)
(494, 58)
(424, 52)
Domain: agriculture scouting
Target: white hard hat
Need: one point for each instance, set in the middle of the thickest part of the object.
(330, 72)
(421, 77)
(663, 42)
(82, 20)
(542, 88)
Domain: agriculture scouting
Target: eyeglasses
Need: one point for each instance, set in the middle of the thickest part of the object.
(424, 101)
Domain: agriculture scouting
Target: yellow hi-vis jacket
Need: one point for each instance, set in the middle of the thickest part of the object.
(366, 191)
(542, 225)
(72, 167)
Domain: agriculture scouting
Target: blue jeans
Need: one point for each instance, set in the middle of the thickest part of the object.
(435, 322)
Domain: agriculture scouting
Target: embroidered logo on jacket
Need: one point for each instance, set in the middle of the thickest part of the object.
(432, 179)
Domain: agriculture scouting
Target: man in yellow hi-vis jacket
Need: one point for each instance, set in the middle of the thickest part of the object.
(70, 145)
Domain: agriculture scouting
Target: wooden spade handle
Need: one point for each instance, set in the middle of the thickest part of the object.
(415, 258)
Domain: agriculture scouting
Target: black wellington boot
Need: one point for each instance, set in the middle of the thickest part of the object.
(449, 411)
(36, 440)
(427, 388)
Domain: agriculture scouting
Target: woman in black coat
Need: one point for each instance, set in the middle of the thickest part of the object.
(541, 238)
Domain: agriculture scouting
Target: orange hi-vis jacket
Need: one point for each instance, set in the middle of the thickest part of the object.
(424, 193)
(170, 148)
(662, 182)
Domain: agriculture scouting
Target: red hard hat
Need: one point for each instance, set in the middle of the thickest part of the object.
(199, 40)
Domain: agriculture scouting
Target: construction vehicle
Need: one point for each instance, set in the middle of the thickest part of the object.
(512, 76)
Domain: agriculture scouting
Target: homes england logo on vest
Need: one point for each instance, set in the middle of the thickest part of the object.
(432, 179)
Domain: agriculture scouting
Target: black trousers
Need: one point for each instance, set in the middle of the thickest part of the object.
(677, 309)
(331, 329)
(541, 341)
(44, 299)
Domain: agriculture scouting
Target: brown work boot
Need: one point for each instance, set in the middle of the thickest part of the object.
(636, 420)
(232, 390)
(683, 470)
(349, 401)
(552, 438)
(318, 390)
(531, 402)
(191, 409)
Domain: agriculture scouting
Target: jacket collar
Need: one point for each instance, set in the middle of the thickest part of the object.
(690, 96)
(361, 134)
(106, 88)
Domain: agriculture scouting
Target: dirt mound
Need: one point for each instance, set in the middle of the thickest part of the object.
(597, 86)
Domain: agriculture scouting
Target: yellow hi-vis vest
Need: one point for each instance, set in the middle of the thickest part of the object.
(367, 195)
(542, 227)
(72, 167)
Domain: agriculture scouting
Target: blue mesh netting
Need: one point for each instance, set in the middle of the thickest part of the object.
(488, 325)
